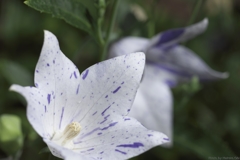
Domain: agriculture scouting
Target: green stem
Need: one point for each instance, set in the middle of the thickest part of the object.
(112, 21)
(195, 11)
(101, 12)
(151, 11)
(99, 33)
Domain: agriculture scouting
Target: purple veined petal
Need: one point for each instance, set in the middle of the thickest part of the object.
(166, 39)
(128, 45)
(154, 98)
(37, 113)
(182, 63)
(59, 78)
(58, 85)
(95, 101)
(109, 89)
(125, 139)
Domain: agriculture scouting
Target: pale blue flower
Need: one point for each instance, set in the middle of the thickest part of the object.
(83, 116)
(167, 64)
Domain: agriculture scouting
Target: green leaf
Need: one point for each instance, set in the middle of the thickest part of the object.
(72, 11)
(44, 150)
(92, 7)
(15, 73)
(205, 144)
(11, 138)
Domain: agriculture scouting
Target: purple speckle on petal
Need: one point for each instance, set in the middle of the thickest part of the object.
(61, 117)
(150, 135)
(94, 113)
(115, 91)
(105, 110)
(120, 151)
(166, 139)
(48, 64)
(75, 75)
(106, 96)
(134, 145)
(126, 119)
(99, 133)
(85, 74)
(77, 89)
(94, 130)
(87, 134)
(49, 98)
(90, 149)
(110, 125)
(105, 119)
(45, 108)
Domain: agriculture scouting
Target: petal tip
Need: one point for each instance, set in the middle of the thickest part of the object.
(225, 75)
(205, 21)
(14, 87)
(141, 54)
(202, 25)
(48, 34)
(220, 75)
(50, 41)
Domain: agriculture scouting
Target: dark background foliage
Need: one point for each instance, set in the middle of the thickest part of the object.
(206, 117)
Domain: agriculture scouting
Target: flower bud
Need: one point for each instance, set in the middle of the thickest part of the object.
(11, 138)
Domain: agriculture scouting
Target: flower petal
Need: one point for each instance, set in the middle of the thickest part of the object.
(58, 77)
(36, 108)
(125, 139)
(128, 45)
(182, 63)
(65, 153)
(154, 99)
(174, 36)
(57, 86)
(107, 89)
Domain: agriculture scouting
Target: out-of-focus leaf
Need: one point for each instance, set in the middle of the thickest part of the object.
(204, 145)
(72, 11)
(91, 6)
(27, 129)
(11, 138)
(44, 150)
(184, 92)
(15, 73)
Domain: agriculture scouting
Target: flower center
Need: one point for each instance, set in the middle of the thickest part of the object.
(65, 138)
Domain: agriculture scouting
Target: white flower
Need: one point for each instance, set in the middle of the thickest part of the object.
(167, 64)
(84, 116)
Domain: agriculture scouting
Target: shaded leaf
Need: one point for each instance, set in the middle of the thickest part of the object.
(72, 11)
(204, 145)
(11, 138)
(91, 6)
(15, 73)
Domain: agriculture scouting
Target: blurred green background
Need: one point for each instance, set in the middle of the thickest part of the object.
(206, 119)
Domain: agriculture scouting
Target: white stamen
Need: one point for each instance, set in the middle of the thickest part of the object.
(65, 138)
